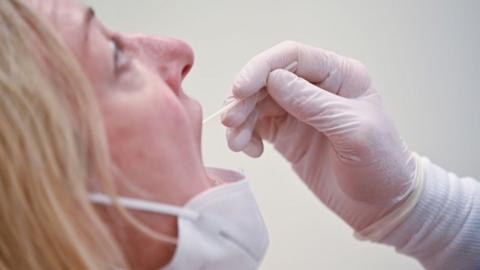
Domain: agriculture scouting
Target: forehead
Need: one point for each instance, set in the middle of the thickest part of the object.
(66, 16)
(59, 12)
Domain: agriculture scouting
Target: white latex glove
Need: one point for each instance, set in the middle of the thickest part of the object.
(328, 120)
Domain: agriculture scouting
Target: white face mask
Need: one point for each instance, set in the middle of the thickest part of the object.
(220, 228)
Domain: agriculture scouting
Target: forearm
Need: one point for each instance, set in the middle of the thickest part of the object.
(443, 229)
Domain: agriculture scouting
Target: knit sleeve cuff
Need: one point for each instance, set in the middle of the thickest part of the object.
(441, 230)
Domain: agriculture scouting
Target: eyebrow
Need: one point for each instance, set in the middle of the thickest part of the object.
(87, 21)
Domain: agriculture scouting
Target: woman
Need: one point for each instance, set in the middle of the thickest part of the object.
(85, 110)
(106, 114)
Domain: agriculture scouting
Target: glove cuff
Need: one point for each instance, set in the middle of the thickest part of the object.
(441, 232)
(378, 230)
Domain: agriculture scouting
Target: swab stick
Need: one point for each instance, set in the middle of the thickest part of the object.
(232, 104)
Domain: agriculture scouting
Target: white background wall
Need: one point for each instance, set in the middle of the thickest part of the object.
(424, 56)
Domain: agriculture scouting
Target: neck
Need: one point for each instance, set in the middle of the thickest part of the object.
(175, 187)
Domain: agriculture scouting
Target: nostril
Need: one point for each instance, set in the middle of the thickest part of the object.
(185, 70)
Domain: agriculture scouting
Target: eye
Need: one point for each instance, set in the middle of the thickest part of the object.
(121, 61)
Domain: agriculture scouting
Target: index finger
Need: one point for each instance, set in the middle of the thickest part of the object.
(337, 74)
(253, 76)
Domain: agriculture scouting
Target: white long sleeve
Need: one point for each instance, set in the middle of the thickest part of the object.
(443, 229)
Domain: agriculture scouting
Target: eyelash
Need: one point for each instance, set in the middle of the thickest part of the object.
(120, 60)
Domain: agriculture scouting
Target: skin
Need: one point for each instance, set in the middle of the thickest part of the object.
(153, 128)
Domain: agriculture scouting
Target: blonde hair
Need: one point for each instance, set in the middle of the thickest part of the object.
(51, 142)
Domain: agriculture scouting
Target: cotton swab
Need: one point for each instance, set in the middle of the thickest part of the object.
(232, 104)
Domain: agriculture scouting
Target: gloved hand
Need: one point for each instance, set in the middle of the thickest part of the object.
(327, 119)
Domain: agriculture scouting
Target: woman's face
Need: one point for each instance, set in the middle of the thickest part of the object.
(153, 128)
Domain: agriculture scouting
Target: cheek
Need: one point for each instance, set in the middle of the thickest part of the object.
(139, 124)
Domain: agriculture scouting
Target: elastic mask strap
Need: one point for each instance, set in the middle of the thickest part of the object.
(147, 206)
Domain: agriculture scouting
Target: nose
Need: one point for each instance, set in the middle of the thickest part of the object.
(170, 58)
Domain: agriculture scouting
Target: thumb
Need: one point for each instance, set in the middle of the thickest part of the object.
(305, 101)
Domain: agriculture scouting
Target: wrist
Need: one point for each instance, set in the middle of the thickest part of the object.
(441, 231)
(377, 230)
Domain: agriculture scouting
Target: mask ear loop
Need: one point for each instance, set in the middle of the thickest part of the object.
(147, 206)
